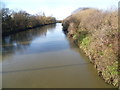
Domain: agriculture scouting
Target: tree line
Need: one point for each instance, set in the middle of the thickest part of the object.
(13, 21)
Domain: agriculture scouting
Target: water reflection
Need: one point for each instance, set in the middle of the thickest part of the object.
(45, 58)
(22, 40)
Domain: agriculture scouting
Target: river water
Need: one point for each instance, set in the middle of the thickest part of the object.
(45, 58)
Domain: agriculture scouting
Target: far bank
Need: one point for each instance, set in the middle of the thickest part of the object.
(13, 22)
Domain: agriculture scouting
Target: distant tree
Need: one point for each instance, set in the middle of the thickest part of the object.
(6, 20)
(21, 19)
(15, 21)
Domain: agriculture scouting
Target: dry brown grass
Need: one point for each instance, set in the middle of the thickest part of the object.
(100, 42)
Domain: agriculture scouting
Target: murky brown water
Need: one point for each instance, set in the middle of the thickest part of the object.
(45, 58)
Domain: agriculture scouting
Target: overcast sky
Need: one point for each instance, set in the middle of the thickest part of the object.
(57, 8)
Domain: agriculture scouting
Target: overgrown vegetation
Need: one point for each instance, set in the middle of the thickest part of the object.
(17, 21)
(96, 33)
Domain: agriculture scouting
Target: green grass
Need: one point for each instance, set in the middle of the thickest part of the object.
(85, 41)
(113, 69)
(75, 36)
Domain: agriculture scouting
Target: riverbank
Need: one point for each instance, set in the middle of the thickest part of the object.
(9, 33)
(13, 22)
(96, 33)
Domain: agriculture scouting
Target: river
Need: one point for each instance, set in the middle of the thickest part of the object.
(45, 58)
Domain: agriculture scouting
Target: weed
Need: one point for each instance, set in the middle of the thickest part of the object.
(85, 41)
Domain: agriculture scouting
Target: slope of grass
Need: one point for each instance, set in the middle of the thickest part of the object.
(96, 33)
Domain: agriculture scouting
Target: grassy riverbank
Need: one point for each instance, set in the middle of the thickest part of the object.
(13, 22)
(96, 33)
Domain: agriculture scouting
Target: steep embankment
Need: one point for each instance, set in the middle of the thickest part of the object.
(96, 33)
